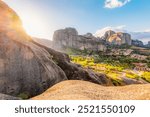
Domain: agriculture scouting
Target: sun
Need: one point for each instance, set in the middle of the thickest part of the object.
(33, 24)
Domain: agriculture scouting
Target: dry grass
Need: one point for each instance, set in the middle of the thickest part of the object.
(82, 90)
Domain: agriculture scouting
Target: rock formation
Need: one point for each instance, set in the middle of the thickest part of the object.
(8, 97)
(107, 35)
(69, 37)
(45, 42)
(118, 52)
(29, 68)
(118, 38)
(137, 43)
(24, 66)
(81, 90)
(148, 45)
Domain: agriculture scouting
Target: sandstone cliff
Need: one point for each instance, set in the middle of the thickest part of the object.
(69, 38)
(118, 38)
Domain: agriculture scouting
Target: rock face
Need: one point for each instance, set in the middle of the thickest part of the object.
(69, 38)
(118, 38)
(148, 45)
(8, 97)
(45, 42)
(73, 71)
(29, 68)
(107, 35)
(81, 90)
(137, 43)
(24, 66)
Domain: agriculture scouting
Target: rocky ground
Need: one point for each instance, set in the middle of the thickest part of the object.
(82, 90)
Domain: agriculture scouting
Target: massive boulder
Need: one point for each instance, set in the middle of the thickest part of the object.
(73, 71)
(8, 97)
(24, 66)
(69, 38)
(29, 68)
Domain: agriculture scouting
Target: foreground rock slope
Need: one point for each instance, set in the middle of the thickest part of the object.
(24, 66)
(28, 68)
(82, 90)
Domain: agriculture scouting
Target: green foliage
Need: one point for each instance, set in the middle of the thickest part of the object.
(115, 67)
(74, 51)
(122, 61)
(112, 68)
(123, 46)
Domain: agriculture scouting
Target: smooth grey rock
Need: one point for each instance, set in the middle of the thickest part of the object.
(8, 97)
(75, 72)
(69, 38)
(24, 66)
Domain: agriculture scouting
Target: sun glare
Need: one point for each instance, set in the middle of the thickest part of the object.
(34, 25)
(33, 20)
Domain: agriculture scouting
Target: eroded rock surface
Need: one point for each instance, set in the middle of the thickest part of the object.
(69, 38)
(8, 97)
(118, 38)
(24, 66)
(29, 68)
(81, 90)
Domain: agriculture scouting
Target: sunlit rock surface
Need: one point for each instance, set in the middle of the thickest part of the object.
(118, 38)
(24, 66)
(28, 68)
(81, 90)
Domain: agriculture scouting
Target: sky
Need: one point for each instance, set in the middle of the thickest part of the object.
(42, 17)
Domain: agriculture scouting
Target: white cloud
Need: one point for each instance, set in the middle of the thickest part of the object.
(115, 3)
(140, 35)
